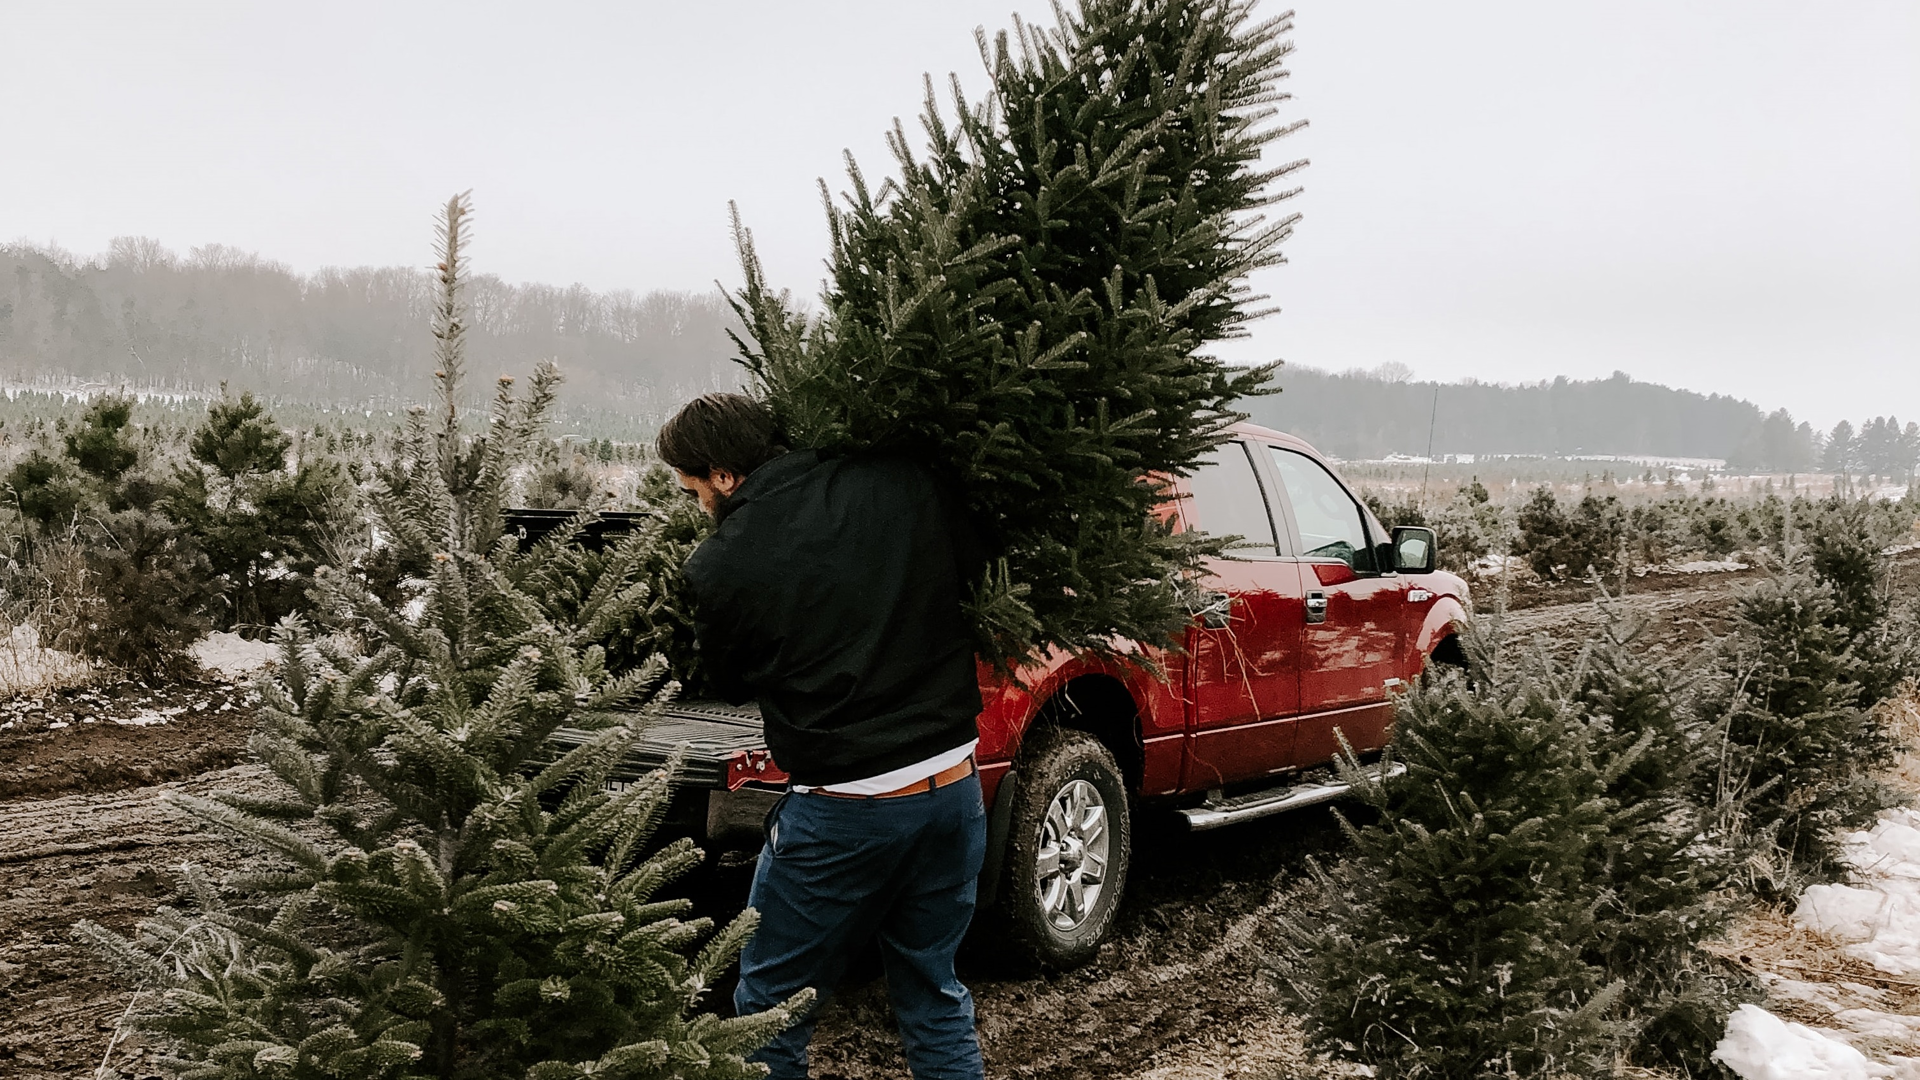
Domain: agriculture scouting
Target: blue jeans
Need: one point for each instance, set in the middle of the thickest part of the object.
(837, 873)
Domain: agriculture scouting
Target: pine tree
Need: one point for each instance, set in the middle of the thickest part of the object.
(1559, 544)
(1531, 898)
(97, 455)
(1799, 753)
(262, 522)
(239, 438)
(1025, 307)
(1459, 933)
(1661, 862)
(444, 898)
(1844, 542)
(102, 447)
(44, 490)
(111, 577)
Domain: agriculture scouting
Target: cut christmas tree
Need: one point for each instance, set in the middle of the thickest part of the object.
(1026, 308)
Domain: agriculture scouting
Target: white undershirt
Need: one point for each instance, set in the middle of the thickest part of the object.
(901, 777)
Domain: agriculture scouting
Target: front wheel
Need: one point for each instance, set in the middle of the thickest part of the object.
(1069, 840)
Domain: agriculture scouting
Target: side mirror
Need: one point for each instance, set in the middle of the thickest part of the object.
(1414, 548)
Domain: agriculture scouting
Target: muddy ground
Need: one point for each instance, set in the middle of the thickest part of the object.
(1180, 994)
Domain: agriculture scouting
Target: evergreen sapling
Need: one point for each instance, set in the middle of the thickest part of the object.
(1798, 753)
(1456, 939)
(446, 898)
(1532, 896)
(1662, 864)
(264, 523)
(1845, 542)
(108, 575)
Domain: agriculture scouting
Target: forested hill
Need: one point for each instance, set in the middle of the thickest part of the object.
(144, 317)
(1373, 414)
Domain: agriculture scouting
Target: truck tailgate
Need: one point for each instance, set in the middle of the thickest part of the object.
(708, 733)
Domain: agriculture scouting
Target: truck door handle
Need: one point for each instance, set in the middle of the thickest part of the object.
(1316, 607)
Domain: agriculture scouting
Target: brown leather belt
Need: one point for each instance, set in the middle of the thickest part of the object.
(953, 774)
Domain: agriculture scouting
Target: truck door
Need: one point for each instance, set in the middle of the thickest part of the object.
(1353, 622)
(1243, 658)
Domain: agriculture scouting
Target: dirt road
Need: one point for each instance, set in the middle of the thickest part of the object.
(1178, 995)
(110, 857)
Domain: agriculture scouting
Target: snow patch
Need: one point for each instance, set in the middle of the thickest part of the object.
(1697, 566)
(1818, 995)
(1874, 1024)
(1708, 566)
(1879, 918)
(149, 717)
(1496, 564)
(232, 655)
(1761, 1046)
(27, 665)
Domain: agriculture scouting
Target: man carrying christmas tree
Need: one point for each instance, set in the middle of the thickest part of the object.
(830, 593)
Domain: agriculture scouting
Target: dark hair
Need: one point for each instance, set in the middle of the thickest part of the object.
(720, 431)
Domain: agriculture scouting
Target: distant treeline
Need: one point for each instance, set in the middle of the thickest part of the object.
(144, 316)
(1370, 414)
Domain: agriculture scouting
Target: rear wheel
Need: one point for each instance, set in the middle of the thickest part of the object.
(1068, 844)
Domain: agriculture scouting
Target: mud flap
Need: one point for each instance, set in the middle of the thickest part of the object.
(999, 818)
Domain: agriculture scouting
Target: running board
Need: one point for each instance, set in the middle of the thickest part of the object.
(1215, 813)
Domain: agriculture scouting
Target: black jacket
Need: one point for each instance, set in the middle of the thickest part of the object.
(830, 592)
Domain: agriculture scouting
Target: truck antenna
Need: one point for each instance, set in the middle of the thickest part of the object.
(1432, 419)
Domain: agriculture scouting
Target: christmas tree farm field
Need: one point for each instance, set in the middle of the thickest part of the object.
(1183, 992)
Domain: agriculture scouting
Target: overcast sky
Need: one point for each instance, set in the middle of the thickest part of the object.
(1718, 195)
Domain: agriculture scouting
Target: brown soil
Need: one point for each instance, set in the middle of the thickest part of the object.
(1180, 994)
(1532, 593)
(118, 736)
(110, 857)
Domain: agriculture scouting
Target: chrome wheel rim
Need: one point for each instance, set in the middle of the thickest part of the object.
(1073, 856)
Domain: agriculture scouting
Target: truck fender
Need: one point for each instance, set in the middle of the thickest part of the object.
(999, 819)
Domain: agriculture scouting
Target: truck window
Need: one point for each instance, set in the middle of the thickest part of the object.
(1331, 526)
(1228, 501)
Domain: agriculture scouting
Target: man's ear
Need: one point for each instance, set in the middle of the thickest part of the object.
(724, 481)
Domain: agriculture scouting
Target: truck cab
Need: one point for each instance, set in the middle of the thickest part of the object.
(1304, 631)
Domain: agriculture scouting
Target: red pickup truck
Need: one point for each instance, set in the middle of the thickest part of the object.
(1317, 617)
